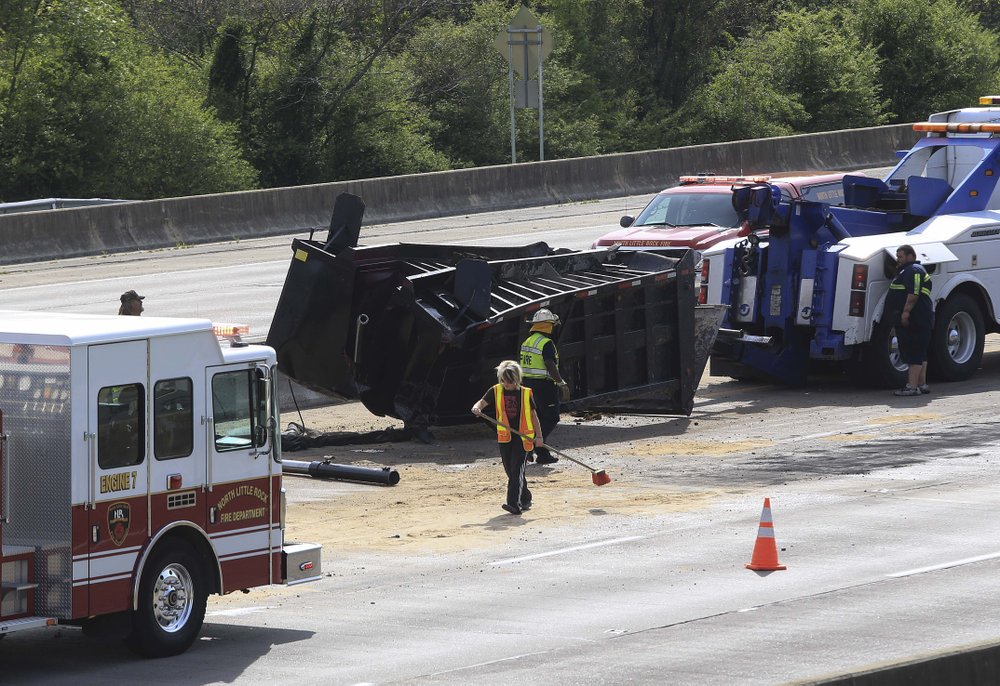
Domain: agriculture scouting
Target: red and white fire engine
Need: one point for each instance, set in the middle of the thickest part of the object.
(140, 471)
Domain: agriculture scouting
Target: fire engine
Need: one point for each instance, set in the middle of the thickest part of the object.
(813, 287)
(140, 471)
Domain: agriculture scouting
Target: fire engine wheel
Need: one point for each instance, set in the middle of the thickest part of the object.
(172, 598)
(957, 340)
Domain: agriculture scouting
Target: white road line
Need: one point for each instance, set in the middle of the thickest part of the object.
(561, 551)
(945, 565)
(934, 500)
(238, 612)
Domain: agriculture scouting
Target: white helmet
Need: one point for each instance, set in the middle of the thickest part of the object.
(544, 315)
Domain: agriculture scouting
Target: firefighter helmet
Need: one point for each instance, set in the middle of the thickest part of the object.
(544, 315)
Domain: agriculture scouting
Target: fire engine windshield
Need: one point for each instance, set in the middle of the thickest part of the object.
(689, 209)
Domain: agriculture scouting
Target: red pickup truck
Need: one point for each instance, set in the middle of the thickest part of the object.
(698, 213)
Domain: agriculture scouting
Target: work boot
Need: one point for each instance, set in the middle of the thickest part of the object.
(546, 459)
(510, 508)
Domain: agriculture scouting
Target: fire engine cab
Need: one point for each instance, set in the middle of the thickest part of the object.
(140, 471)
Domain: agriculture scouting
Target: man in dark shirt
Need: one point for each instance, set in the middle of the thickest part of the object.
(910, 297)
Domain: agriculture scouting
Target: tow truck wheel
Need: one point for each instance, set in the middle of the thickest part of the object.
(881, 365)
(957, 340)
(172, 598)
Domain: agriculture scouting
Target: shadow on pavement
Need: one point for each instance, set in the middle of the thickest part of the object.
(63, 655)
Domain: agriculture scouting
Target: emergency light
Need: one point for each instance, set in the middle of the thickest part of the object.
(956, 127)
(712, 178)
(230, 330)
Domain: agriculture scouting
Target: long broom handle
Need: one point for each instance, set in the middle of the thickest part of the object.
(518, 433)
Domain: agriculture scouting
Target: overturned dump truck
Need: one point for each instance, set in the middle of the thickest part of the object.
(415, 331)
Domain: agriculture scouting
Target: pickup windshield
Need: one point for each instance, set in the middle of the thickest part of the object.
(689, 209)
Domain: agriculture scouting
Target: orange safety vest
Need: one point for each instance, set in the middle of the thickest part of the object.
(527, 427)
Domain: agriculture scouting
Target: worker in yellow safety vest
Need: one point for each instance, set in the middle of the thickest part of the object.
(540, 361)
(513, 406)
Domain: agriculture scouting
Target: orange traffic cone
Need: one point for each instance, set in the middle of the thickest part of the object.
(765, 552)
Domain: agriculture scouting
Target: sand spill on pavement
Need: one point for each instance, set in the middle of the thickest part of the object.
(682, 447)
(435, 509)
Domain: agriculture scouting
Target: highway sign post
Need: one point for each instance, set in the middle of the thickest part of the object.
(525, 44)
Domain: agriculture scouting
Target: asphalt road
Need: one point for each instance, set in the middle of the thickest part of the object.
(884, 512)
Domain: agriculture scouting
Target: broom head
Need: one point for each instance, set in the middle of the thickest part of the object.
(600, 477)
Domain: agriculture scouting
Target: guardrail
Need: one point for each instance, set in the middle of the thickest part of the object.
(170, 222)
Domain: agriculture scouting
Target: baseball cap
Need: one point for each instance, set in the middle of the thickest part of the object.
(131, 295)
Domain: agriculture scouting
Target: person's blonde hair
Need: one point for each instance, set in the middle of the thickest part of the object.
(509, 371)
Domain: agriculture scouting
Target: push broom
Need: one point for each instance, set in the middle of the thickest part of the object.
(598, 476)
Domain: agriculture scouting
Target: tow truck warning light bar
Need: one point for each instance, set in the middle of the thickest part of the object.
(956, 127)
(713, 178)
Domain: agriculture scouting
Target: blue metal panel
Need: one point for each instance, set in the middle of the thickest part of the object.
(825, 287)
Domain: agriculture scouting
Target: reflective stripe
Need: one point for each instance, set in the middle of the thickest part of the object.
(765, 533)
(532, 362)
(526, 426)
(503, 435)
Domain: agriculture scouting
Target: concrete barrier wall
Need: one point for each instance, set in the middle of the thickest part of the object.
(968, 665)
(253, 214)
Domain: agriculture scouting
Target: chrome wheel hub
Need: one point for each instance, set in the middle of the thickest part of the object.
(173, 594)
(961, 338)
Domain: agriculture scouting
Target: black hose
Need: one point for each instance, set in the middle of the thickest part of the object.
(343, 472)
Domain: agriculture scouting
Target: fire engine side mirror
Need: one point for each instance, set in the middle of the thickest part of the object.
(626, 221)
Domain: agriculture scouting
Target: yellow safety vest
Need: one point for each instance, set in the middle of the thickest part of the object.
(532, 361)
(527, 427)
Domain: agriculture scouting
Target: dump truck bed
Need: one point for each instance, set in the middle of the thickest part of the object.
(415, 331)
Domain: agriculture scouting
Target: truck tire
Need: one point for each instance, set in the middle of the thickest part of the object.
(173, 593)
(957, 340)
(881, 365)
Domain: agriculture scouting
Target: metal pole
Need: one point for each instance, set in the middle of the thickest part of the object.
(524, 49)
(510, 76)
(541, 106)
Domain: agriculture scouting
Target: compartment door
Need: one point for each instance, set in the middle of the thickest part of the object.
(117, 500)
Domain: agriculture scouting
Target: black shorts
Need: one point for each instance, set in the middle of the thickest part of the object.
(913, 343)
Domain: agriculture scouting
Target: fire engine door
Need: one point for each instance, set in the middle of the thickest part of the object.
(118, 445)
(238, 473)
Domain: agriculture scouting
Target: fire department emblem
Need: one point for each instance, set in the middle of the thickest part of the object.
(119, 516)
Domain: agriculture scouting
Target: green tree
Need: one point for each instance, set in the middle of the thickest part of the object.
(935, 55)
(90, 111)
(460, 81)
(988, 12)
(811, 73)
(328, 106)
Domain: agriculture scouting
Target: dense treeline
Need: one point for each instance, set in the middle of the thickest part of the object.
(153, 98)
